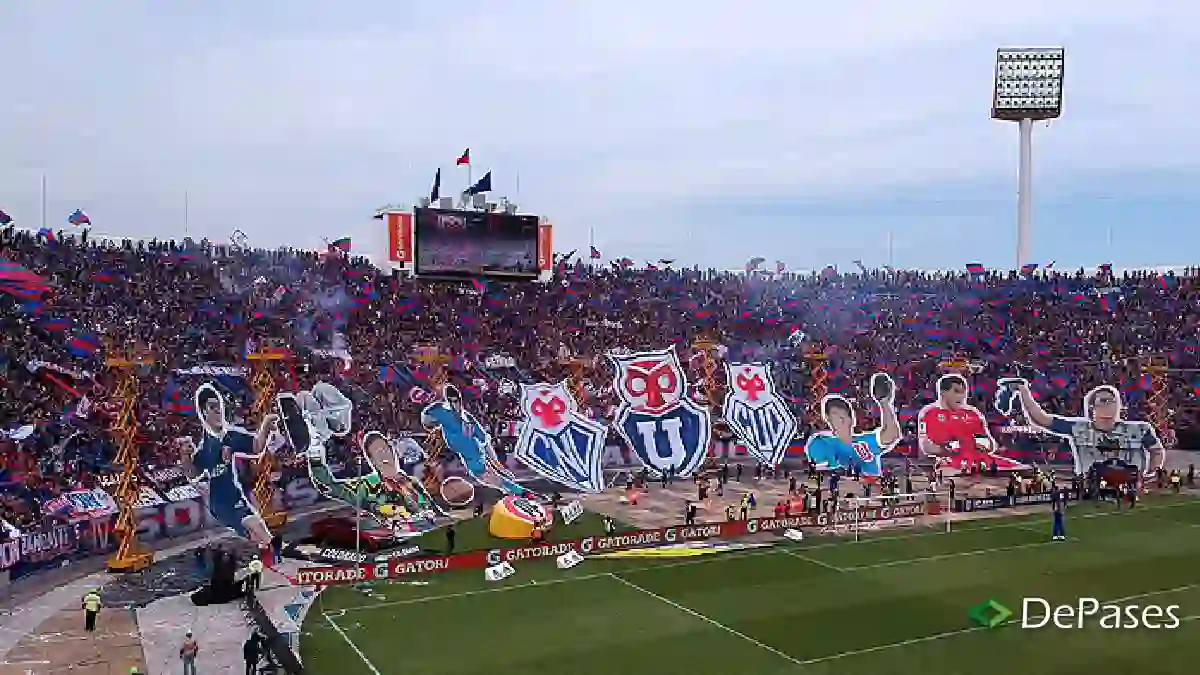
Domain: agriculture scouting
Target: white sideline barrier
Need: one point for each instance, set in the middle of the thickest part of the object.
(568, 560)
(570, 512)
(499, 572)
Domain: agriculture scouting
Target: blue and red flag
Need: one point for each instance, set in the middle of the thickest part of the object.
(55, 325)
(174, 400)
(84, 346)
(79, 218)
(20, 282)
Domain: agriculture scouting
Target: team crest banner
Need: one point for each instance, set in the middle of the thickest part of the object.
(656, 417)
(756, 413)
(557, 441)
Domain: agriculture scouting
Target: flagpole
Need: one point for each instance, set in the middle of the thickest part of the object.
(591, 246)
(891, 250)
(470, 181)
(43, 200)
(518, 186)
(185, 213)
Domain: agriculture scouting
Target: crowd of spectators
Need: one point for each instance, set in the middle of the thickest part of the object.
(194, 304)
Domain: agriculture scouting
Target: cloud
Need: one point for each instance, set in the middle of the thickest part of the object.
(643, 122)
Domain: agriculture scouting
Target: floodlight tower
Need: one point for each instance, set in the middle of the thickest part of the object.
(1028, 88)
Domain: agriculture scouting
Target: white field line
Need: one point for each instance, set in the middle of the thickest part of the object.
(710, 559)
(975, 629)
(367, 662)
(814, 561)
(708, 620)
(948, 556)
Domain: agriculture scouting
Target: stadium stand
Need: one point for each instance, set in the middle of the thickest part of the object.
(196, 304)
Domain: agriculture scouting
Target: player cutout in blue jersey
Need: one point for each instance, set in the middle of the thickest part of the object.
(840, 448)
(217, 456)
(467, 438)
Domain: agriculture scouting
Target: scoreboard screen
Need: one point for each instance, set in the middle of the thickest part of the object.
(475, 243)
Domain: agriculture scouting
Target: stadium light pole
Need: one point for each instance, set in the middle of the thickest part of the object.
(1028, 88)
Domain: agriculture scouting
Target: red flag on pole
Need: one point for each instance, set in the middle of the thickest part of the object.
(464, 158)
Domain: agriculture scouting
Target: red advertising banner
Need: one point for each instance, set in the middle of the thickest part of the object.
(401, 567)
(400, 237)
(545, 247)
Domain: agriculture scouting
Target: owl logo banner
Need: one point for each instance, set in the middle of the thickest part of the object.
(662, 425)
(756, 413)
(557, 441)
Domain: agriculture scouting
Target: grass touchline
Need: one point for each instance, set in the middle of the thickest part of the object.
(747, 554)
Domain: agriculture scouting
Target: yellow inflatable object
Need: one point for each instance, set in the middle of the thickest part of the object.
(515, 518)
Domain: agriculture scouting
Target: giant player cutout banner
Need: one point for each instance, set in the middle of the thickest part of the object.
(557, 441)
(1100, 434)
(223, 446)
(470, 441)
(666, 430)
(840, 448)
(756, 413)
(956, 433)
(311, 418)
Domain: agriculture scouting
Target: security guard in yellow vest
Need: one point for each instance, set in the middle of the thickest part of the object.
(91, 608)
(254, 572)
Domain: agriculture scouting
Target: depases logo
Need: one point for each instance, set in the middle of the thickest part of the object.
(1041, 613)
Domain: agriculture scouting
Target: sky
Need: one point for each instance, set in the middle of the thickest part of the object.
(705, 131)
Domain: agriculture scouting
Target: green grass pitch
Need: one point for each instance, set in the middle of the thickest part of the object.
(893, 603)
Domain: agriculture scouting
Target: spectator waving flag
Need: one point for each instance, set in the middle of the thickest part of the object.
(976, 269)
(55, 325)
(342, 244)
(594, 254)
(1028, 269)
(5, 219)
(175, 400)
(79, 218)
(20, 282)
(47, 234)
(84, 346)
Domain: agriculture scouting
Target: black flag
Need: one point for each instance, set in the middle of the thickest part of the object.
(436, 192)
(484, 185)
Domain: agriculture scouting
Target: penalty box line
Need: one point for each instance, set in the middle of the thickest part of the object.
(363, 657)
(975, 629)
(725, 557)
(709, 620)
